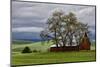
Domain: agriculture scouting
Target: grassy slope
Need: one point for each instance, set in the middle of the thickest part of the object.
(33, 46)
(43, 58)
(47, 57)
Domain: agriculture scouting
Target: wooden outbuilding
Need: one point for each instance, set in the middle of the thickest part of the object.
(85, 43)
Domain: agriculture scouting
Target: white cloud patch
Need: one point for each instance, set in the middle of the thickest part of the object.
(87, 15)
(27, 29)
(86, 10)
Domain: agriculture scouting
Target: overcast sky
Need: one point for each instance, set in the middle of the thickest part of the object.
(31, 17)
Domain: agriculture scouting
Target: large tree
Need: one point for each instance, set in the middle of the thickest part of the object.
(63, 28)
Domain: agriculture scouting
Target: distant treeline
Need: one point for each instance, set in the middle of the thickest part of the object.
(21, 42)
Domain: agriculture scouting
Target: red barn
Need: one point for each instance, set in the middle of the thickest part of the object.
(85, 43)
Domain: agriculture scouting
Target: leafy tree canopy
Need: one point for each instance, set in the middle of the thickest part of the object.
(63, 28)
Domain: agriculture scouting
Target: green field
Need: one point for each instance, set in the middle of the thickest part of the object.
(45, 57)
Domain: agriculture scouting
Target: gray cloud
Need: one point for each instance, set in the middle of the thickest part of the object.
(29, 14)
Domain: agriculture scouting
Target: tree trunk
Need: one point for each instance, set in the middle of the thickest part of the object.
(56, 39)
(70, 41)
(64, 43)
